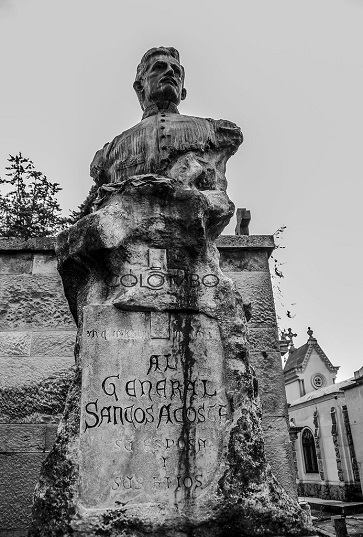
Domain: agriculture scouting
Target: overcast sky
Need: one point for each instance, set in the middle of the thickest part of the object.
(288, 72)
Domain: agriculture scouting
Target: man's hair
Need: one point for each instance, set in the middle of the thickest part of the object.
(142, 67)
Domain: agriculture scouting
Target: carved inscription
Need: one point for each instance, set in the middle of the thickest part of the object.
(165, 389)
(153, 411)
(155, 278)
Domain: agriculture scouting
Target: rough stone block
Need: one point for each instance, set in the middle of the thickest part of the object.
(45, 263)
(271, 385)
(30, 370)
(265, 242)
(16, 263)
(255, 287)
(18, 475)
(53, 343)
(50, 436)
(33, 301)
(15, 343)
(279, 452)
(35, 243)
(22, 437)
(238, 260)
(36, 403)
(263, 339)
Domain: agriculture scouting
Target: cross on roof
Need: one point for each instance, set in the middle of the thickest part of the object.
(290, 335)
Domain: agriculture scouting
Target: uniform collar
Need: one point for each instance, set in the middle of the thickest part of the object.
(155, 109)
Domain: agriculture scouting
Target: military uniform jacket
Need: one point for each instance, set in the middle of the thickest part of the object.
(154, 144)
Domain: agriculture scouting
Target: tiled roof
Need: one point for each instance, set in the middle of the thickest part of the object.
(327, 390)
(299, 358)
(296, 357)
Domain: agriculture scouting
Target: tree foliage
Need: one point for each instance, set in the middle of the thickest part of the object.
(30, 208)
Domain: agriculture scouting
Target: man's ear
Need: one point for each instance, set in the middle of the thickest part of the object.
(137, 86)
(183, 94)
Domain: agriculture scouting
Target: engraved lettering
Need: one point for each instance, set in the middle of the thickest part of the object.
(142, 382)
(130, 388)
(206, 394)
(161, 387)
(168, 366)
(139, 415)
(128, 280)
(117, 483)
(112, 385)
(154, 362)
(149, 411)
(119, 409)
(87, 425)
(176, 387)
(210, 280)
(164, 413)
(105, 413)
(222, 411)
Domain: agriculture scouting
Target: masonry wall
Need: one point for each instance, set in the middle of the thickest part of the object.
(245, 260)
(37, 335)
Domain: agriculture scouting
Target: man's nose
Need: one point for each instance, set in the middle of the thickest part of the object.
(169, 70)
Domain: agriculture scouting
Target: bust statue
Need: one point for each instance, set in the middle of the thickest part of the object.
(165, 143)
(161, 433)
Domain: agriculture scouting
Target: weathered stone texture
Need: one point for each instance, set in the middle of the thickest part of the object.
(30, 370)
(33, 301)
(35, 403)
(278, 451)
(16, 263)
(54, 343)
(27, 437)
(255, 287)
(263, 339)
(267, 366)
(234, 260)
(265, 242)
(33, 244)
(45, 263)
(24, 437)
(18, 473)
(50, 436)
(15, 343)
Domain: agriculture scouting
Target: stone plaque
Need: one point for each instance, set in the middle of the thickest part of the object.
(154, 410)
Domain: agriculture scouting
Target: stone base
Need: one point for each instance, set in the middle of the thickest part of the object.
(349, 492)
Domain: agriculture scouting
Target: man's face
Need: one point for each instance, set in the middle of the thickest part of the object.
(163, 81)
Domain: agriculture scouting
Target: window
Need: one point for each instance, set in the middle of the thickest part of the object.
(308, 445)
(318, 381)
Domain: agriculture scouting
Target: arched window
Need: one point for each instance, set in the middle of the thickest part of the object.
(308, 445)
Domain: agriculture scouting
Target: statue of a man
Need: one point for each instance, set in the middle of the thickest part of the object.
(165, 143)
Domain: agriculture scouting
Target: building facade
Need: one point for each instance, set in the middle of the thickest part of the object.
(326, 424)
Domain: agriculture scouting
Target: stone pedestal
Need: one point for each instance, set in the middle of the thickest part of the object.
(161, 433)
(244, 259)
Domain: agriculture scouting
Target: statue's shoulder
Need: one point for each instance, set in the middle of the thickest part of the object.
(98, 164)
(226, 131)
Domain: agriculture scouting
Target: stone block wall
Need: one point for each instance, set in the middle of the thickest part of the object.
(245, 260)
(37, 335)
